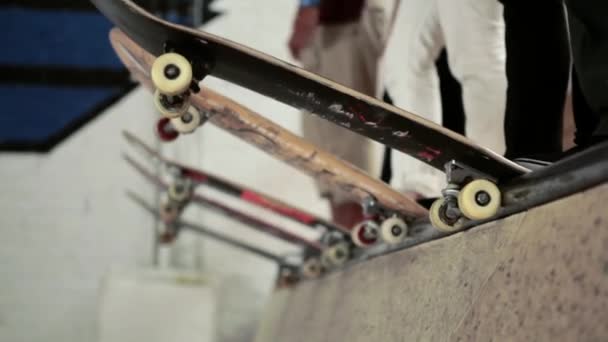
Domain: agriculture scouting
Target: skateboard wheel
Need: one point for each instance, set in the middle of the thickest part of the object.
(165, 130)
(325, 262)
(311, 268)
(179, 191)
(171, 74)
(170, 111)
(169, 212)
(479, 200)
(393, 230)
(336, 255)
(435, 216)
(186, 123)
(365, 233)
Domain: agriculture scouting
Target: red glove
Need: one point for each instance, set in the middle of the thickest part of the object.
(306, 22)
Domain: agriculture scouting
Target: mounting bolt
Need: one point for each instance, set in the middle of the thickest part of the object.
(172, 71)
(482, 198)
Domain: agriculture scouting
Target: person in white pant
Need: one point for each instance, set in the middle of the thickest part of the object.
(472, 31)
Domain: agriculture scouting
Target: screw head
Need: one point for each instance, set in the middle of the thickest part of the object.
(186, 117)
(396, 230)
(339, 254)
(482, 198)
(172, 71)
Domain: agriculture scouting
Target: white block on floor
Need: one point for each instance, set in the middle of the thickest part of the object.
(156, 306)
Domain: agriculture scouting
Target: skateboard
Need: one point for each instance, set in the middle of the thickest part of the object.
(186, 56)
(187, 178)
(318, 256)
(288, 268)
(390, 212)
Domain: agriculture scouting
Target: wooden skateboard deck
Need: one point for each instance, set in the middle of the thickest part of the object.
(275, 140)
(230, 188)
(233, 214)
(394, 127)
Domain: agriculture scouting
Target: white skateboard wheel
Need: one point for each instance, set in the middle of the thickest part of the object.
(179, 191)
(360, 233)
(479, 200)
(170, 112)
(171, 74)
(187, 123)
(311, 268)
(393, 230)
(336, 255)
(169, 212)
(435, 217)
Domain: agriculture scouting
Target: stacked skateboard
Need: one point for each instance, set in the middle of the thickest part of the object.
(172, 61)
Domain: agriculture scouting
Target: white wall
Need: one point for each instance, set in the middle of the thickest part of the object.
(65, 221)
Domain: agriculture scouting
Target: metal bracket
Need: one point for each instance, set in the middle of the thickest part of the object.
(459, 174)
(205, 115)
(371, 207)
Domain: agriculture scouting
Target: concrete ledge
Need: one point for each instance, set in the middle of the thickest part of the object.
(536, 276)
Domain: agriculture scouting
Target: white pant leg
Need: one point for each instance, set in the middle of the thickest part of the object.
(474, 36)
(409, 74)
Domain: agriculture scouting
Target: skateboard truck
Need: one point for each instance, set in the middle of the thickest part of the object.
(180, 190)
(168, 234)
(287, 276)
(392, 229)
(169, 211)
(177, 196)
(370, 206)
(175, 77)
(469, 194)
(168, 129)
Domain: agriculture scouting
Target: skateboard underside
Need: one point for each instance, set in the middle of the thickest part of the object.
(275, 140)
(396, 128)
(404, 131)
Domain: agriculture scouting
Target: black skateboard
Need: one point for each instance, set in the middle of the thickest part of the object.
(187, 56)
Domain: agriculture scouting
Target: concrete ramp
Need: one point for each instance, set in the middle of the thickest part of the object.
(541, 275)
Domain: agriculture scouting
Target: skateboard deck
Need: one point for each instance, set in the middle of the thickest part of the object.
(290, 271)
(250, 221)
(269, 76)
(277, 141)
(199, 229)
(233, 189)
